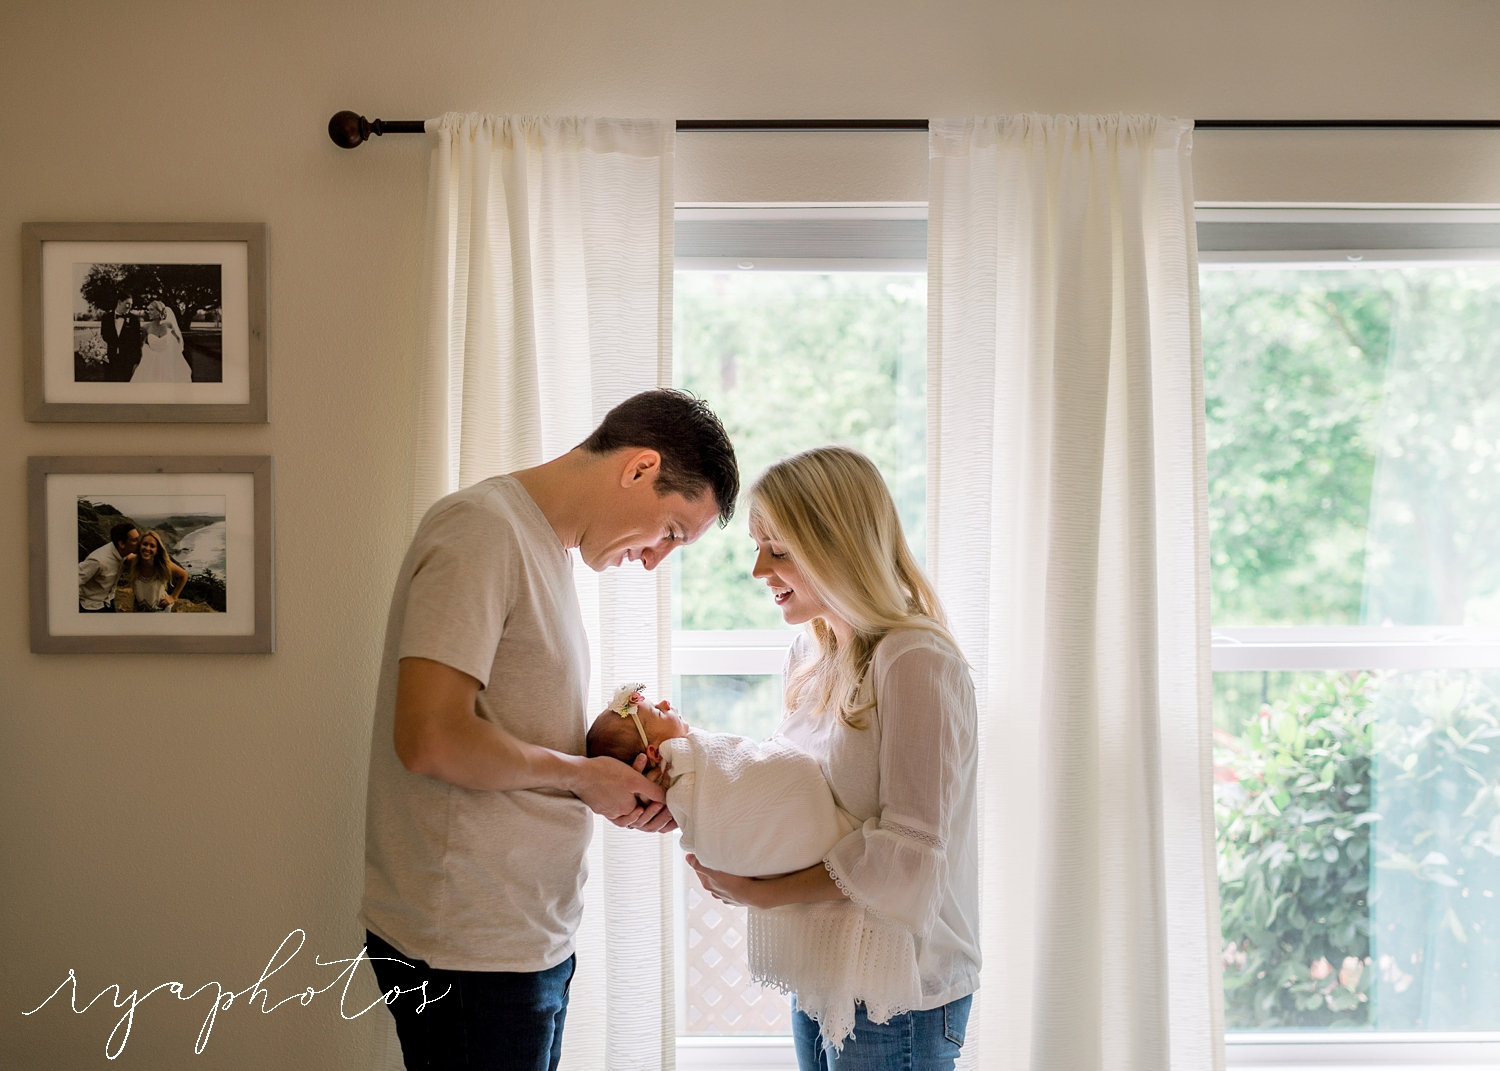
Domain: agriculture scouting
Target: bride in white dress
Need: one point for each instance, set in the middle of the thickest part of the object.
(161, 355)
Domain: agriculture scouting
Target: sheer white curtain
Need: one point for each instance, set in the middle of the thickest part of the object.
(1069, 540)
(548, 271)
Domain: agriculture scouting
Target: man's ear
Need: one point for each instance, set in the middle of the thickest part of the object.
(641, 465)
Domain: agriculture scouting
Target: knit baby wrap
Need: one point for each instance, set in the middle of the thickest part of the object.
(757, 808)
(762, 808)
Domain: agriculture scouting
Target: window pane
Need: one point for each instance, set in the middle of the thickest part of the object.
(749, 705)
(1359, 851)
(1354, 444)
(792, 360)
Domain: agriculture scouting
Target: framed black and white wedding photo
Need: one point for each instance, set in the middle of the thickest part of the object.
(144, 321)
(150, 554)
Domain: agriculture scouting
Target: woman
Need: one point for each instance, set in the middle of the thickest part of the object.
(881, 938)
(162, 360)
(150, 572)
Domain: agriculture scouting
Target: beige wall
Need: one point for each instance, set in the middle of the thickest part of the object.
(172, 818)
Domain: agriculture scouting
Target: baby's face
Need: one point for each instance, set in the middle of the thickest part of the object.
(660, 724)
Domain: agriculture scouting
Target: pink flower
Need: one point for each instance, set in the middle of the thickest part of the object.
(627, 696)
(1320, 969)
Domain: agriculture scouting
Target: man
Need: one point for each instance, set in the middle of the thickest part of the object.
(477, 819)
(122, 341)
(98, 573)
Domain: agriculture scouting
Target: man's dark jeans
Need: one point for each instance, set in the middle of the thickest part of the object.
(474, 1020)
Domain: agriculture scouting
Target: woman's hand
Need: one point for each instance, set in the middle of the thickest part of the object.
(731, 888)
(812, 885)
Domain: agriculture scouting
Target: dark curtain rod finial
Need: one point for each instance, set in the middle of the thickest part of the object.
(350, 130)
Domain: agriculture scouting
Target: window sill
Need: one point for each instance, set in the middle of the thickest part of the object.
(735, 1054)
(1386, 1052)
(1245, 1052)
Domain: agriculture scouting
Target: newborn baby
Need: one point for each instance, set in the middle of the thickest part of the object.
(760, 809)
(747, 807)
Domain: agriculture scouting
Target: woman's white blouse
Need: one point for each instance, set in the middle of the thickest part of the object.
(909, 777)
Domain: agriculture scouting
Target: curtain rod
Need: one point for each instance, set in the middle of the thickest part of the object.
(349, 129)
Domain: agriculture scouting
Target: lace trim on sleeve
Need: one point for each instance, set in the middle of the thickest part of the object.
(839, 881)
(932, 840)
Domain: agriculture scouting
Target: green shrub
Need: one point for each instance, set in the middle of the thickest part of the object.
(1293, 812)
(1395, 770)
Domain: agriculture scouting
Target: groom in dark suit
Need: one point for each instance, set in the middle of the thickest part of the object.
(122, 341)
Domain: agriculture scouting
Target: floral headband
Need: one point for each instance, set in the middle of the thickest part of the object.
(627, 698)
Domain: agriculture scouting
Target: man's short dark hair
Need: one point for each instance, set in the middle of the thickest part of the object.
(696, 454)
(121, 532)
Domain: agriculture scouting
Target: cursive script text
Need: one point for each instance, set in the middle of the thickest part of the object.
(223, 1000)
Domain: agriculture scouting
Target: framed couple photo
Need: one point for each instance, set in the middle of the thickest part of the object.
(144, 321)
(150, 554)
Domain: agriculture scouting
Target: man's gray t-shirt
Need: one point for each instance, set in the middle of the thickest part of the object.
(471, 880)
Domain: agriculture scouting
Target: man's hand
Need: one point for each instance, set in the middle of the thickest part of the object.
(657, 820)
(621, 794)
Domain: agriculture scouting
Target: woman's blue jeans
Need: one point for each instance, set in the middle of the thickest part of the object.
(916, 1041)
(489, 1020)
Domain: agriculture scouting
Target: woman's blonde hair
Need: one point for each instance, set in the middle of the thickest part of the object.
(834, 514)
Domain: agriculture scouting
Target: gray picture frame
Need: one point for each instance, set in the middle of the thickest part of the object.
(54, 533)
(47, 321)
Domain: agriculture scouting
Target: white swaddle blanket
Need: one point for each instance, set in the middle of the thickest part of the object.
(757, 808)
(762, 808)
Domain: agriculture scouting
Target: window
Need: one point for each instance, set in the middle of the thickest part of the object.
(801, 327)
(1352, 380)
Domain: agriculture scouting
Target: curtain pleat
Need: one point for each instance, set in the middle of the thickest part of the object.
(1068, 539)
(548, 276)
